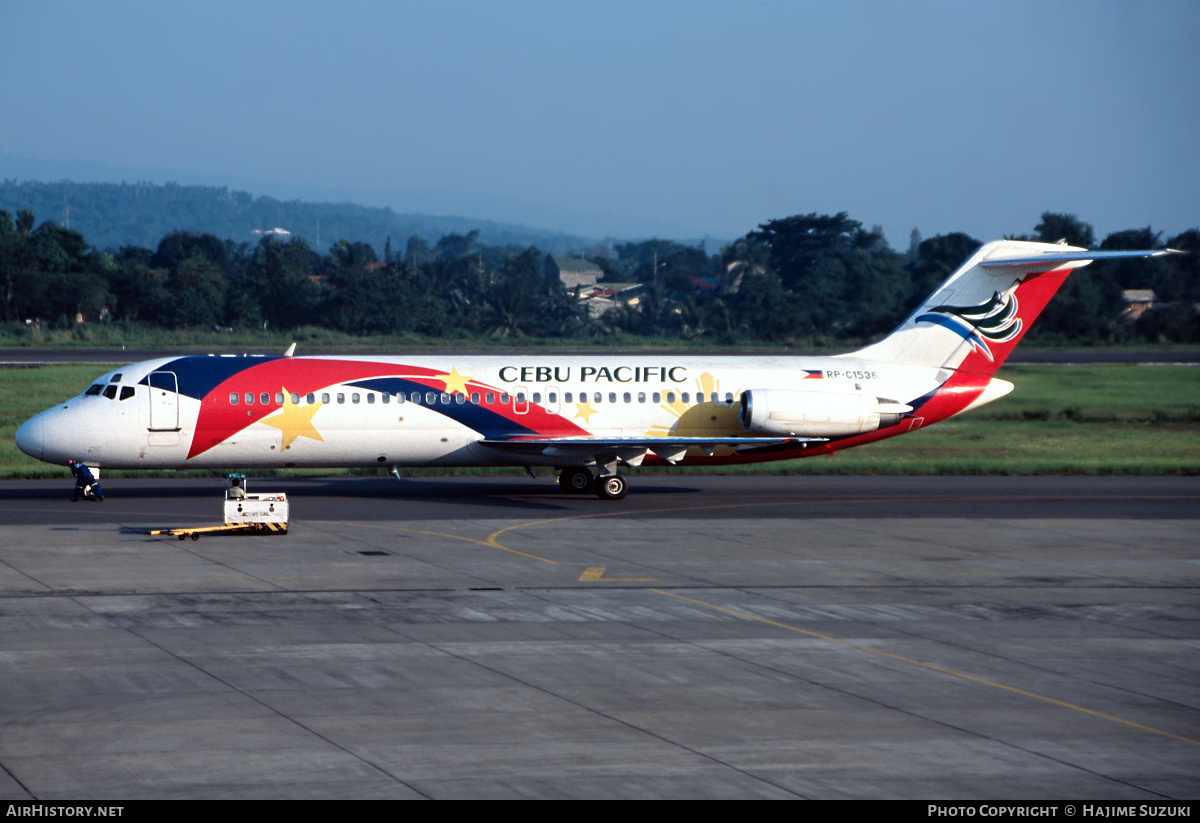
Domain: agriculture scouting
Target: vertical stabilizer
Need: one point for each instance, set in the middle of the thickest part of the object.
(976, 318)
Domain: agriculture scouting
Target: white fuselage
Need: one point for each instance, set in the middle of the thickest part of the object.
(429, 411)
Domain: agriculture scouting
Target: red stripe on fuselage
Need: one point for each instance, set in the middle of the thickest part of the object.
(219, 419)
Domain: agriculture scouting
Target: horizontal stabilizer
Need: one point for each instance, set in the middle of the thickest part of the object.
(1072, 256)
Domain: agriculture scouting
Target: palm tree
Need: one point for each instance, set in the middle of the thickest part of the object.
(25, 223)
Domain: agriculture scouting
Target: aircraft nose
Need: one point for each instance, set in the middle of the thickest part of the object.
(31, 437)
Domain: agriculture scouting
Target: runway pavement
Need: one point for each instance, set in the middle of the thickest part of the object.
(707, 636)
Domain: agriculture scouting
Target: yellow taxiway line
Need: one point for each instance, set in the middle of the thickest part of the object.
(596, 575)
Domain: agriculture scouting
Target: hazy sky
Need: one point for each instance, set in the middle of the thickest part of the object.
(628, 118)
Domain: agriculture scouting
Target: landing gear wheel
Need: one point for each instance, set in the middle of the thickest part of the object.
(611, 487)
(575, 481)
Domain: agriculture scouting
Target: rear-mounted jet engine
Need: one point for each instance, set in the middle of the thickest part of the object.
(794, 413)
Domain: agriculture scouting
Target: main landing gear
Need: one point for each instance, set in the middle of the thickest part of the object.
(611, 487)
(606, 486)
(575, 481)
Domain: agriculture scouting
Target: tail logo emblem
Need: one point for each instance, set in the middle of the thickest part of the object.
(993, 320)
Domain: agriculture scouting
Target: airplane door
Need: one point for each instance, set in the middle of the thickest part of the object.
(164, 401)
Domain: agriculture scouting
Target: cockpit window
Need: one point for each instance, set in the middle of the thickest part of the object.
(94, 390)
(116, 378)
(127, 392)
(111, 392)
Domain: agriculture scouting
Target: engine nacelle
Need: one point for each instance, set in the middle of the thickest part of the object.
(793, 413)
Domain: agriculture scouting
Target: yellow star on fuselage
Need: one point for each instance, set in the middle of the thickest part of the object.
(295, 421)
(585, 411)
(455, 382)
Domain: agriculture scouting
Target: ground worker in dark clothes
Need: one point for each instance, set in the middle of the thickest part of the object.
(83, 479)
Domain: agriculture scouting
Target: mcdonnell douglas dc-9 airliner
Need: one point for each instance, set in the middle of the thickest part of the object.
(574, 413)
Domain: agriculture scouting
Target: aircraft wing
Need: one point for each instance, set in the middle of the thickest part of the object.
(632, 450)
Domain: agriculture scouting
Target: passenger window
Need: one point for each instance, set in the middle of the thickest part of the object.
(670, 397)
(656, 397)
(686, 397)
(553, 397)
(596, 398)
(729, 397)
(491, 398)
(537, 397)
(111, 392)
(279, 398)
(567, 397)
(126, 392)
(370, 398)
(400, 397)
(310, 398)
(641, 397)
(386, 398)
(341, 397)
(460, 398)
(503, 398)
(354, 397)
(430, 398)
(249, 399)
(445, 399)
(233, 398)
(521, 398)
(325, 397)
(612, 397)
(265, 399)
(295, 399)
(627, 397)
(475, 397)
(415, 397)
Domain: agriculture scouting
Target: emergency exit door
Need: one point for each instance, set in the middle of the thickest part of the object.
(164, 401)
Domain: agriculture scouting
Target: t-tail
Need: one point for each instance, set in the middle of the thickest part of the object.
(971, 323)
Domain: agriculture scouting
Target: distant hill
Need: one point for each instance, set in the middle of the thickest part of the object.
(111, 215)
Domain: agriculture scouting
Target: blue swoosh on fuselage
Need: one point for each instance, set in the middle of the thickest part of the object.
(475, 416)
(198, 376)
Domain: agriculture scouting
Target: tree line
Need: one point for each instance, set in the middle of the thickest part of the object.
(804, 280)
(141, 214)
